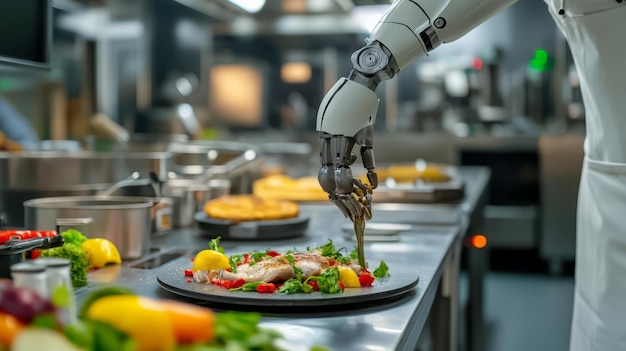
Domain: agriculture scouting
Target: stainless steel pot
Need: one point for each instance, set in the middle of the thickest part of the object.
(189, 197)
(124, 220)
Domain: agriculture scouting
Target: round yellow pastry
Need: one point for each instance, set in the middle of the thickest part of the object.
(282, 187)
(241, 208)
(410, 173)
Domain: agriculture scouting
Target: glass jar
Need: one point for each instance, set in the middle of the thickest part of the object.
(30, 276)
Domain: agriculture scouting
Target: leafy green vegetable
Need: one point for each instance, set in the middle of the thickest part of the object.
(328, 281)
(329, 250)
(79, 261)
(294, 286)
(73, 236)
(381, 271)
(354, 254)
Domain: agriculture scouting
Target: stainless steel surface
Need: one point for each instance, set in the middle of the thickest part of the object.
(388, 325)
(124, 220)
(431, 247)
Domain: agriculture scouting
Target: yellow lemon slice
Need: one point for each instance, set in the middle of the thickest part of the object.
(207, 260)
(348, 277)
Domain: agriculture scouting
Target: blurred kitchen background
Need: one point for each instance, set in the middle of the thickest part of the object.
(506, 96)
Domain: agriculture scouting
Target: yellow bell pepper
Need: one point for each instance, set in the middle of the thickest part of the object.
(101, 252)
(154, 325)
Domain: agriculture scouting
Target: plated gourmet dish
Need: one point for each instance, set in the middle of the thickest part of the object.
(324, 269)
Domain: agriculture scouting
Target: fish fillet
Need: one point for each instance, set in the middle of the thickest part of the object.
(276, 269)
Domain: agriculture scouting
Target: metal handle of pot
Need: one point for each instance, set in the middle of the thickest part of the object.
(122, 183)
(83, 225)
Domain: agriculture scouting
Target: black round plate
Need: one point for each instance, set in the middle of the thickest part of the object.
(399, 282)
(253, 230)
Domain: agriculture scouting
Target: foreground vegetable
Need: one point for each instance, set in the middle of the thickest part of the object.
(101, 252)
(34, 338)
(112, 318)
(144, 320)
(9, 328)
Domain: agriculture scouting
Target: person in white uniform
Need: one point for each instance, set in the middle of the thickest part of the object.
(596, 33)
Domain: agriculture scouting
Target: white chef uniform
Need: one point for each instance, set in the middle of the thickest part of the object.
(596, 33)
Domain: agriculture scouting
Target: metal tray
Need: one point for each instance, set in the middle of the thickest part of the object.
(252, 230)
(452, 191)
(401, 280)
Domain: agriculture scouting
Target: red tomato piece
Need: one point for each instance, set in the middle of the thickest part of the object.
(188, 273)
(313, 284)
(35, 254)
(343, 287)
(366, 279)
(273, 253)
(238, 283)
(189, 280)
(246, 259)
(265, 288)
(332, 262)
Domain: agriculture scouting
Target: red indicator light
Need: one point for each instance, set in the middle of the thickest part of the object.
(477, 63)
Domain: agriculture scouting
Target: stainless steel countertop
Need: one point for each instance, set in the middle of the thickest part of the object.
(393, 324)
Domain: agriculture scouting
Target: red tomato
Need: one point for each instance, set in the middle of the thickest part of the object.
(188, 273)
(265, 288)
(332, 262)
(366, 279)
(343, 287)
(246, 259)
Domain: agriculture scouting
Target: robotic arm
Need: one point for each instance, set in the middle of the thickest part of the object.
(346, 116)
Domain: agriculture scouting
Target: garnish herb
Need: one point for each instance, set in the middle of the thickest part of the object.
(248, 286)
(329, 250)
(381, 271)
(214, 245)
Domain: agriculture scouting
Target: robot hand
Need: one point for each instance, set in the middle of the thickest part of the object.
(408, 30)
(338, 136)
